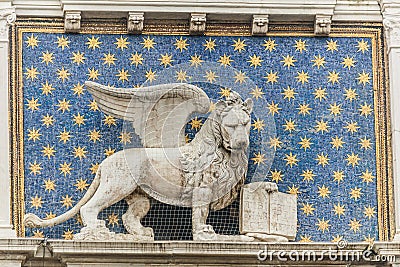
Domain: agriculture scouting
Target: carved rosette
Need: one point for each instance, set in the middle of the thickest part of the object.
(391, 24)
(7, 18)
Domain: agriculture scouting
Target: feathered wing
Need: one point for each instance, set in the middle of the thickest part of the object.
(158, 113)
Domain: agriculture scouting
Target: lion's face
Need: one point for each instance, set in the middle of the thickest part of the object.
(235, 126)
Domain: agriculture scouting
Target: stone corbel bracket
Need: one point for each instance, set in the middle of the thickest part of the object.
(72, 21)
(197, 23)
(391, 23)
(322, 24)
(7, 18)
(260, 25)
(135, 22)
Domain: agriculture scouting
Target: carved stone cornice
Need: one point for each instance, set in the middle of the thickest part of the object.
(7, 18)
(391, 23)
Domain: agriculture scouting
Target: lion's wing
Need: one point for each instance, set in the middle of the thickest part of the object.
(158, 113)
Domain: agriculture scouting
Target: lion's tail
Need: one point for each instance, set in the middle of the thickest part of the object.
(33, 221)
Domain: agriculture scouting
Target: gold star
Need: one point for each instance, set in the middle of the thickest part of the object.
(318, 61)
(47, 120)
(369, 212)
(48, 151)
(109, 59)
(258, 125)
(350, 94)
(355, 225)
(63, 74)
(323, 225)
(320, 93)
(63, 105)
(291, 159)
(305, 239)
(257, 92)
(93, 105)
(94, 135)
(322, 126)
(258, 158)
(35, 168)
(322, 159)
(289, 125)
(78, 58)
(323, 191)
(367, 177)
(348, 62)
(113, 219)
(302, 77)
(333, 77)
(150, 75)
(65, 168)
(68, 235)
(294, 190)
(273, 108)
(272, 77)
(36, 202)
(165, 60)
(308, 175)
(109, 120)
(355, 193)
(136, 59)
(93, 74)
(305, 143)
(335, 109)
(331, 46)
(49, 185)
(288, 61)
(32, 41)
(304, 109)
(148, 43)
(122, 43)
(225, 60)
(81, 184)
(224, 92)
(255, 61)
(181, 44)
(47, 57)
(109, 151)
(64, 136)
(336, 238)
(307, 209)
(352, 159)
(50, 215)
(269, 45)
(47, 88)
(34, 134)
(369, 239)
(125, 137)
(62, 42)
(196, 123)
(94, 168)
(123, 75)
(300, 45)
(289, 93)
(365, 109)
(80, 152)
(338, 176)
(181, 76)
(210, 45)
(362, 46)
(338, 209)
(337, 142)
(276, 176)
(79, 119)
(78, 89)
(365, 143)
(31, 73)
(240, 77)
(352, 127)
(239, 45)
(195, 60)
(93, 43)
(363, 78)
(38, 234)
(210, 76)
(274, 142)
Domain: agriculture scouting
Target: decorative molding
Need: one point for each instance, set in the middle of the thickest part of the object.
(260, 25)
(322, 24)
(135, 22)
(72, 21)
(7, 18)
(391, 25)
(197, 23)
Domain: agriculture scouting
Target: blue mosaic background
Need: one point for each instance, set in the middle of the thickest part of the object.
(318, 91)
